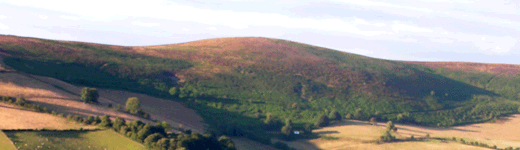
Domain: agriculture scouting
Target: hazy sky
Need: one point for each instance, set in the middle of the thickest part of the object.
(427, 30)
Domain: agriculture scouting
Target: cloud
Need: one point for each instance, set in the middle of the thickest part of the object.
(184, 29)
(3, 17)
(145, 24)
(442, 40)
(3, 27)
(43, 17)
(69, 17)
(211, 28)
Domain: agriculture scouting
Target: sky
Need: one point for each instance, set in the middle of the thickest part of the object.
(412, 30)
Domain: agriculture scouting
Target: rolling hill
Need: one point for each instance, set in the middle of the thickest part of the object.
(234, 82)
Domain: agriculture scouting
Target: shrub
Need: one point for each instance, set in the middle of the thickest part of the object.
(20, 101)
(89, 95)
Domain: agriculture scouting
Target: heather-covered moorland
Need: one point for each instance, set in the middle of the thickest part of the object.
(234, 83)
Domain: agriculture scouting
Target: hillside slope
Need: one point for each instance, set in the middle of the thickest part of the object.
(236, 81)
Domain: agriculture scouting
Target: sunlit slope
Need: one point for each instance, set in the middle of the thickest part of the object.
(288, 79)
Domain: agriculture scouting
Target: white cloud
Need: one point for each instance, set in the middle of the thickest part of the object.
(441, 40)
(184, 29)
(3, 17)
(211, 28)
(397, 26)
(69, 17)
(3, 26)
(43, 16)
(145, 24)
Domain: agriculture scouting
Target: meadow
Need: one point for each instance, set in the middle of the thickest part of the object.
(51, 140)
(5, 143)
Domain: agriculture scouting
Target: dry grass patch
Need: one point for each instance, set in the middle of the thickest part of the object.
(49, 92)
(43, 91)
(15, 118)
(504, 133)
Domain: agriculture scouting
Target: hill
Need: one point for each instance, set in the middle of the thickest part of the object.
(234, 82)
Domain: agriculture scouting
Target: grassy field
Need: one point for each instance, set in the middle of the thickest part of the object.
(360, 135)
(106, 139)
(5, 143)
(15, 118)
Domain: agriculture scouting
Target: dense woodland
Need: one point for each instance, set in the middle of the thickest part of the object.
(277, 86)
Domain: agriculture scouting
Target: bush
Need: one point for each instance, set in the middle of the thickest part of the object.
(322, 121)
(89, 95)
(20, 101)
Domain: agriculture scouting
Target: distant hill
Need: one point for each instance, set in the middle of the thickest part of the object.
(253, 76)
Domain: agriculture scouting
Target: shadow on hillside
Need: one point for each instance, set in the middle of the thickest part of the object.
(421, 84)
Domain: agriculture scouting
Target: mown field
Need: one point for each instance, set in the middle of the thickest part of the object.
(5, 143)
(353, 134)
(52, 140)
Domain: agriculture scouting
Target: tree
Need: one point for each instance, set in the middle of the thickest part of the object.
(118, 122)
(358, 114)
(133, 105)
(373, 120)
(163, 143)
(269, 121)
(334, 115)
(144, 132)
(165, 126)
(226, 141)
(387, 136)
(152, 139)
(322, 121)
(96, 120)
(348, 116)
(89, 95)
(174, 91)
(288, 128)
(105, 121)
(390, 126)
(308, 128)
